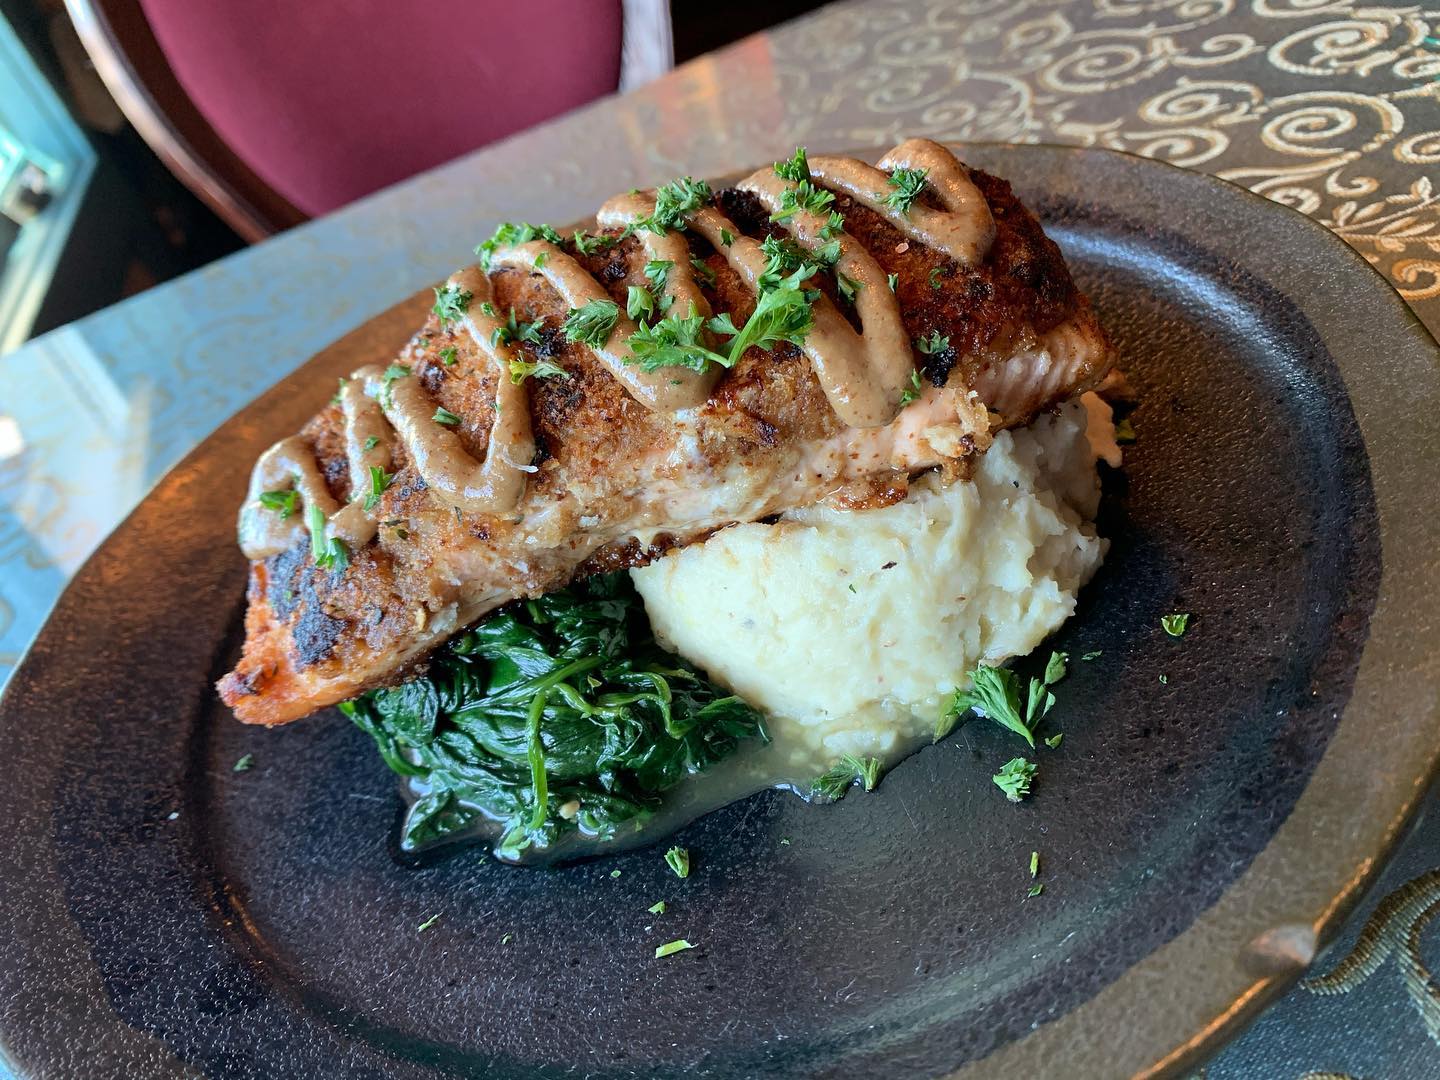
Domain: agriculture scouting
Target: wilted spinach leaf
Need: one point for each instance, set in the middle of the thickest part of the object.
(552, 715)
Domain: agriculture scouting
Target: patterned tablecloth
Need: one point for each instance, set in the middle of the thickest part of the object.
(1327, 107)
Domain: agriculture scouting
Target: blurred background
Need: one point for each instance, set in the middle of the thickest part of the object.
(141, 139)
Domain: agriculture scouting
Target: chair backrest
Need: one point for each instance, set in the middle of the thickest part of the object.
(273, 111)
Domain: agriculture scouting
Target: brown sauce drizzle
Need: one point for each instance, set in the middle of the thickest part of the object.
(863, 375)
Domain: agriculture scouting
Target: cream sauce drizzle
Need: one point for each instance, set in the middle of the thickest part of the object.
(863, 375)
(664, 389)
(964, 230)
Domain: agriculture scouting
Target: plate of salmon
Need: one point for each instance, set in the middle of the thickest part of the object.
(889, 611)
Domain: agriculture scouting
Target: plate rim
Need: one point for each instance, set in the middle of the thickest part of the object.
(1071, 1036)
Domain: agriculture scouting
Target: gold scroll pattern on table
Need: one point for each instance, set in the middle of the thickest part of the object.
(1331, 108)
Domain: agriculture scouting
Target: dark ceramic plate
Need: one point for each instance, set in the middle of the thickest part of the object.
(162, 915)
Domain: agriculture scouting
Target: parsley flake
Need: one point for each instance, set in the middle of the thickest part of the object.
(1124, 432)
(913, 391)
(512, 234)
(672, 202)
(1055, 668)
(639, 303)
(1175, 625)
(848, 286)
(431, 921)
(590, 243)
(795, 168)
(520, 370)
(372, 442)
(451, 303)
(657, 908)
(703, 271)
(782, 313)
(379, 481)
(935, 277)
(446, 417)
(935, 342)
(1034, 863)
(1053, 741)
(1014, 778)
(892, 280)
(907, 184)
(804, 196)
(392, 373)
(674, 342)
(245, 764)
(678, 859)
(995, 693)
(726, 237)
(1035, 890)
(834, 783)
(592, 323)
(1094, 654)
(670, 948)
(282, 502)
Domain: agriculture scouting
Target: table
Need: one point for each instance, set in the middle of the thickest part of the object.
(1329, 107)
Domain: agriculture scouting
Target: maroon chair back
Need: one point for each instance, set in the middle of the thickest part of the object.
(274, 110)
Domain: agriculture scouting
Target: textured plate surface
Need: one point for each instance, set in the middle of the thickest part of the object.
(162, 915)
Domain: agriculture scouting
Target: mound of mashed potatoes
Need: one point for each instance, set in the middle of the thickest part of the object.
(850, 628)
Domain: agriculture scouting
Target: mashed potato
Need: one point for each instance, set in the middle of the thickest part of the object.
(849, 628)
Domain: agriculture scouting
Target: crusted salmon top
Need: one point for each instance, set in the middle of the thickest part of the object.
(824, 329)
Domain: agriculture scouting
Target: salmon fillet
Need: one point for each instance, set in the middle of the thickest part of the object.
(999, 335)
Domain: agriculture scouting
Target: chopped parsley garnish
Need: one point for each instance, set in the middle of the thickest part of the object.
(590, 243)
(372, 442)
(282, 502)
(1124, 432)
(1034, 863)
(1055, 668)
(678, 859)
(592, 323)
(339, 390)
(451, 303)
(782, 313)
(639, 303)
(657, 908)
(505, 940)
(995, 693)
(446, 417)
(520, 370)
(672, 202)
(1175, 625)
(245, 764)
(892, 280)
(913, 391)
(1053, 742)
(848, 286)
(379, 481)
(834, 224)
(1014, 778)
(657, 272)
(329, 554)
(488, 308)
(803, 196)
(541, 260)
(1035, 890)
(447, 355)
(670, 948)
(935, 273)
(726, 237)
(1093, 654)
(511, 234)
(616, 873)
(834, 783)
(431, 921)
(703, 271)
(1165, 680)
(907, 184)
(795, 168)
(674, 341)
(933, 343)
(393, 372)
